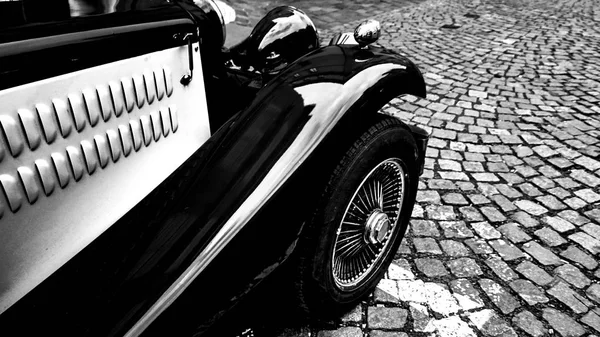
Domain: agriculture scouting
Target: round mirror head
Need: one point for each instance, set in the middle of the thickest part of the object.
(367, 32)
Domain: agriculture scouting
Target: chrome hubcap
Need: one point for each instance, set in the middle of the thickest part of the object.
(378, 225)
(368, 224)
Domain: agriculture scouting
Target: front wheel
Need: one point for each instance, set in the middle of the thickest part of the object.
(360, 220)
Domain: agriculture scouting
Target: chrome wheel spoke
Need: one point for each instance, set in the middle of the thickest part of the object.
(368, 223)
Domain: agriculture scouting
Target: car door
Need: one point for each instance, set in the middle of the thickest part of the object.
(93, 118)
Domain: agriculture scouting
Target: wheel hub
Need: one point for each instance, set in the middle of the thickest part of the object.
(378, 225)
(368, 225)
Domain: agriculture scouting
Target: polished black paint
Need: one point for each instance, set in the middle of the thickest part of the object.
(282, 36)
(110, 284)
(271, 235)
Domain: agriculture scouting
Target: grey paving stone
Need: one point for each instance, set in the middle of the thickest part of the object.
(478, 199)
(565, 294)
(575, 203)
(428, 196)
(573, 217)
(424, 228)
(577, 255)
(499, 296)
(587, 163)
(506, 250)
(452, 175)
(386, 318)
(455, 199)
(592, 229)
(426, 245)
(449, 165)
(487, 189)
(592, 319)
(588, 195)
(525, 219)
(572, 275)
(593, 292)
(441, 184)
(586, 241)
(465, 293)
(500, 268)
(530, 190)
(594, 214)
(470, 213)
(565, 325)
(505, 205)
(544, 151)
(492, 214)
(543, 182)
(354, 315)
(551, 202)
(479, 246)
(534, 273)
(527, 321)
(541, 254)
(585, 178)
(490, 323)
(456, 229)
(420, 317)
(528, 292)
(454, 248)
(513, 232)
(558, 224)
(485, 230)
(380, 333)
(464, 267)
(431, 267)
(531, 207)
(437, 212)
(549, 237)
(341, 332)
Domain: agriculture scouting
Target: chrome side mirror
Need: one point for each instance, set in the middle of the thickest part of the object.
(367, 32)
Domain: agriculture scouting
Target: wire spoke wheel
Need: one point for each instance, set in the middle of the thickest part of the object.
(368, 224)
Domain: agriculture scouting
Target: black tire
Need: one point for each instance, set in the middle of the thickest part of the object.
(321, 294)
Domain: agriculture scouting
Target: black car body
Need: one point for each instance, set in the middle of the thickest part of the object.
(147, 181)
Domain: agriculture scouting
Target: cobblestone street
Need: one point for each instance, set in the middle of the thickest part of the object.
(505, 235)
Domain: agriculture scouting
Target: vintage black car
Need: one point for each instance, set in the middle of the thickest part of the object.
(151, 177)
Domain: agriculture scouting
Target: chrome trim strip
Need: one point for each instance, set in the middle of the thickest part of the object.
(324, 117)
(25, 46)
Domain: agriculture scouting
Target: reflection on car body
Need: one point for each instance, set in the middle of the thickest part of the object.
(140, 160)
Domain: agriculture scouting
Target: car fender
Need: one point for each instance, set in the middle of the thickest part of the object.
(262, 162)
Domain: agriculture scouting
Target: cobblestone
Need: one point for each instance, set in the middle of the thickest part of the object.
(593, 292)
(534, 273)
(576, 255)
(501, 298)
(501, 269)
(424, 228)
(509, 205)
(572, 275)
(488, 322)
(529, 292)
(431, 267)
(543, 255)
(506, 250)
(386, 318)
(592, 319)
(565, 294)
(464, 267)
(549, 237)
(527, 321)
(562, 323)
